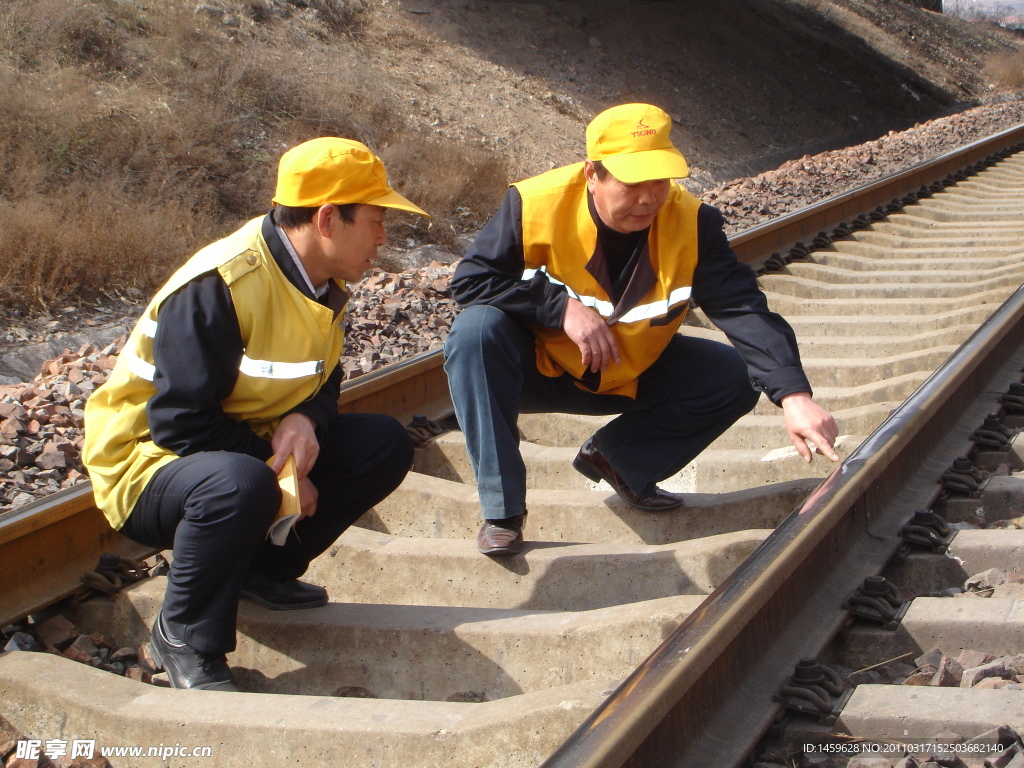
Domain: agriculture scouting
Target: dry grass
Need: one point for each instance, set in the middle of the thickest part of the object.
(52, 255)
(459, 186)
(1006, 71)
(131, 135)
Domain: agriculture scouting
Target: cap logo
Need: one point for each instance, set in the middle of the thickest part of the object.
(642, 129)
(632, 140)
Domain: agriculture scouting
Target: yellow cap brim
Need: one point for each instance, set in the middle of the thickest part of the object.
(653, 164)
(394, 200)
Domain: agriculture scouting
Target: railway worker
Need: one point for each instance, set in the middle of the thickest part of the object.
(234, 363)
(572, 295)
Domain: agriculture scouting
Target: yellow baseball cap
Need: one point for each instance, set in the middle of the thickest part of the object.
(338, 171)
(631, 141)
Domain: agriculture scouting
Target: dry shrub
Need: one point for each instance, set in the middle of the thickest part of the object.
(1006, 71)
(51, 244)
(316, 18)
(131, 134)
(459, 186)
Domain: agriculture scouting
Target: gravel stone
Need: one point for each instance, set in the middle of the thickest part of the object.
(924, 676)
(57, 632)
(949, 673)
(930, 658)
(22, 641)
(969, 658)
(974, 675)
(987, 580)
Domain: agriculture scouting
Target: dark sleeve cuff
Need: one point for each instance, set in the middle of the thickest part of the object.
(786, 381)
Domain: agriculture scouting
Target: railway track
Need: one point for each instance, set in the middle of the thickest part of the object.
(618, 637)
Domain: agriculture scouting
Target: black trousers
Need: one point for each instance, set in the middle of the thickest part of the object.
(213, 511)
(693, 392)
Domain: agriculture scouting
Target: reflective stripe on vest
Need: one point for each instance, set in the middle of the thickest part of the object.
(606, 308)
(257, 369)
(138, 366)
(268, 369)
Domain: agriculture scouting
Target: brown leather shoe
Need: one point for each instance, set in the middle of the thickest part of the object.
(591, 463)
(501, 537)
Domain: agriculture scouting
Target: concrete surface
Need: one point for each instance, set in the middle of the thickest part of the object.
(425, 652)
(915, 714)
(57, 698)
(371, 567)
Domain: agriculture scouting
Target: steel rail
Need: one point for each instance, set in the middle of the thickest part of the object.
(704, 697)
(755, 244)
(47, 545)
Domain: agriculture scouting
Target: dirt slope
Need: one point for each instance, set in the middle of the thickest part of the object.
(751, 83)
(159, 125)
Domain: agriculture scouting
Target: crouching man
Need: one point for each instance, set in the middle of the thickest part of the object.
(232, 369)
(572, 296)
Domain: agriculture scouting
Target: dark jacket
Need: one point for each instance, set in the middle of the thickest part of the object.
(723, 287)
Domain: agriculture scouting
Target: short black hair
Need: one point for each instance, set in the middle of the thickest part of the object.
(600, 170)
(290, 217)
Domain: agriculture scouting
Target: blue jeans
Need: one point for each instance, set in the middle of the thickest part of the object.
(694, 392)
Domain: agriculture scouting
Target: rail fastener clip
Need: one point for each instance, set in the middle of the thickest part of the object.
(814, 689)
(878, 600)
(926, 530)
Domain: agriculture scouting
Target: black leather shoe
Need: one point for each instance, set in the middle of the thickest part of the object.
(188, 668)
(501, 537)
(592, 463)
(282, 595)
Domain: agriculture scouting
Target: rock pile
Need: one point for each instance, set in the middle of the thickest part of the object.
(57, 635)
(41, 425)
(994, 583)
(968, 669)
(394, 316)
(799, 183)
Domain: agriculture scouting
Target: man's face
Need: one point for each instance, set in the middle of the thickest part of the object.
(626, 207)
(351, 247)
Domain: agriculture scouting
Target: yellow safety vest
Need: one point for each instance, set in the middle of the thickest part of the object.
(292, 344)
(559, 239)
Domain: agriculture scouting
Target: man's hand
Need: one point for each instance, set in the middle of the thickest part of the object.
(308, 495)
(591, 334)
(296, 436)
(806, 420)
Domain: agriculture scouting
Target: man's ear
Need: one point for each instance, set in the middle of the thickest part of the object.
(590, 174)
(324, 219)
